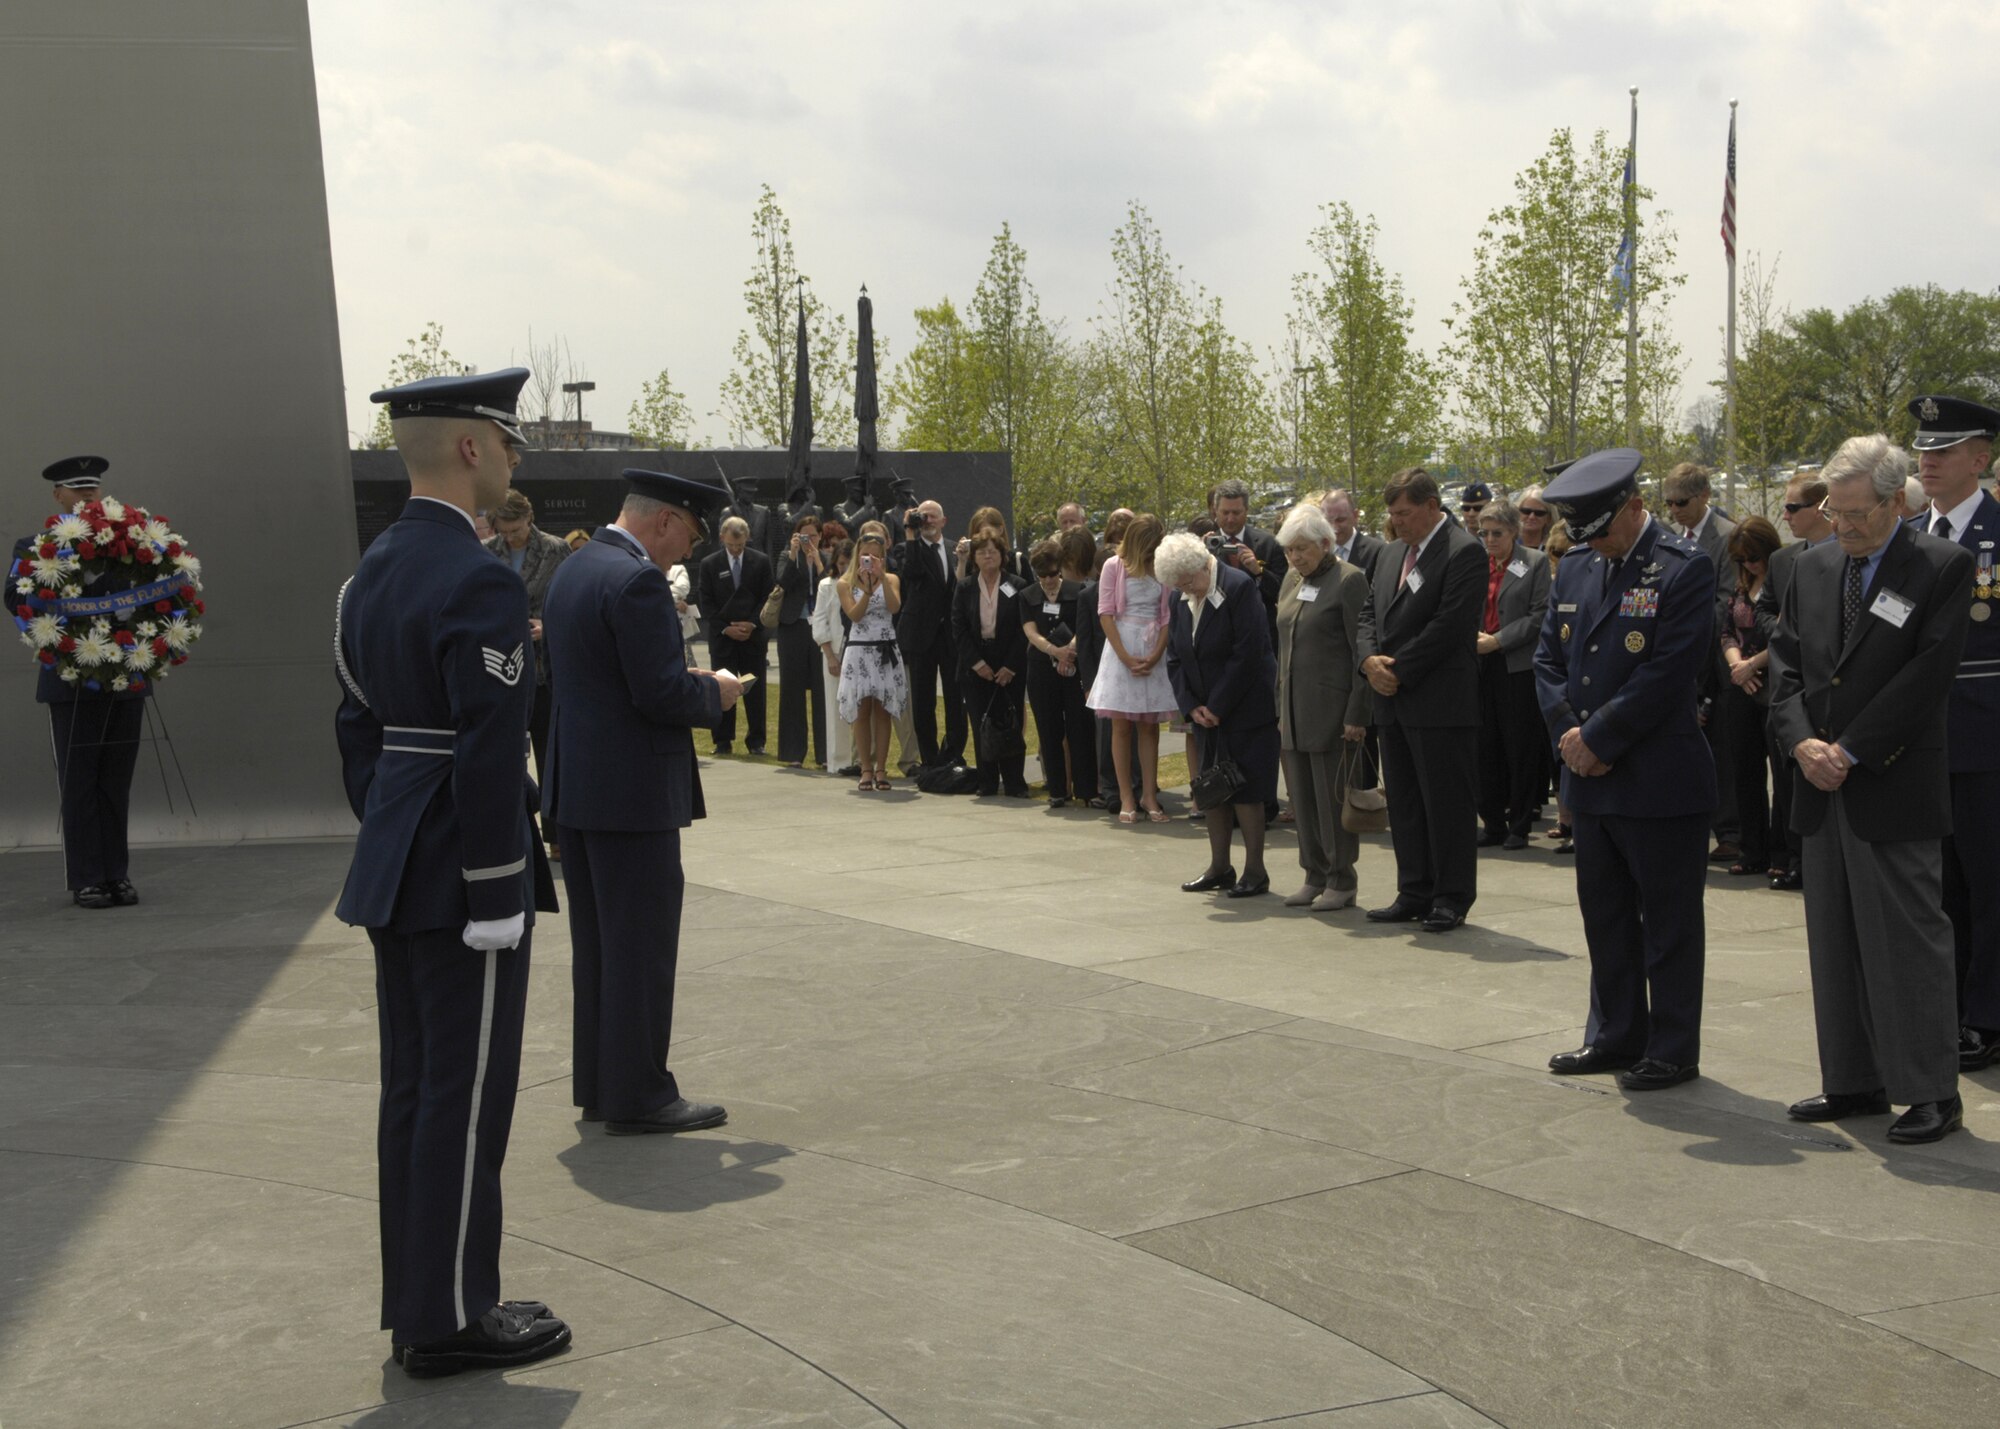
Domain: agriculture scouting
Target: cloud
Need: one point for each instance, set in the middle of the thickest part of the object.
(640, 73)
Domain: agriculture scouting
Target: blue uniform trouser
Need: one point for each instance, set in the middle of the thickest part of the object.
(451, 1058)
(1972, 896)
(625, 892)
(95, 741)
(1639, 883)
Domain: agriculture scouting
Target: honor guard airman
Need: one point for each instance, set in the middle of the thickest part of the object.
(93, 737)
(432, 653)
(1954, 444)
(1621, 651)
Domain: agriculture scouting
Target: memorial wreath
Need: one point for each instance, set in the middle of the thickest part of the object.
(108, 597)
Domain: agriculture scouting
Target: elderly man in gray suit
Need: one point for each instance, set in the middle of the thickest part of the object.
(1863, 661)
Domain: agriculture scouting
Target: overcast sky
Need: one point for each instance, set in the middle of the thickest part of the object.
(589, 169)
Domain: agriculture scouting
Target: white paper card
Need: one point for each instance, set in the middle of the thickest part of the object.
(1308, 592)
(1007, 590)
(1215, 596)
(1518, 568)
(1892, 607)
(1416, 581)
(1049, 607)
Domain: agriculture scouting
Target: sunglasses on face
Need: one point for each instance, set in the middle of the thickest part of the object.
(1535, 511)
(1679, 501)
(1793, 508)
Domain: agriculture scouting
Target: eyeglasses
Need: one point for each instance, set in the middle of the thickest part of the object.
(1851, 518)
(1679, 501)
(1537, 512)
(1493, 533)
(1793, 508)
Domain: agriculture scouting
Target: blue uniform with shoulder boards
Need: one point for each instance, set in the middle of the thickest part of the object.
(1621, 651)
(432, 654)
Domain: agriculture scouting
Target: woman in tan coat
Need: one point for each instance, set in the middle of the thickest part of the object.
(1323, 705)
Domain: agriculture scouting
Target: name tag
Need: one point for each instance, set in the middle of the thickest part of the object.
(1308, 592)
(1565, 607)
(1049, 607)
(1639, 604)
(1215, 596)
(1518, 568)
(1007, 590)
(1416, 581)
(1895, 609)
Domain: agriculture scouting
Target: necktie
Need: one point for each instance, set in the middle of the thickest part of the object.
(1409, 564)
(1943, 528)
(736, 570)
(944, 563)
(1342, 553)
(1850, 599)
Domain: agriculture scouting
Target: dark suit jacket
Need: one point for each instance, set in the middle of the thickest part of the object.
(623, 705)
(797, 580)
(1033, 603)
(1228, 665)
(1429, 631)
(1625, 665)
(1089, 635)
(1319, 689)
(1008, 649)
(1777, 580)
(1524, 599)
(723, 602)
(926, 614)
(1365, 552)
(1885, 696)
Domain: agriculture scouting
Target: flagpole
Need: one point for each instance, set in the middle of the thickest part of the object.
(1632, 279)
(1729, 369)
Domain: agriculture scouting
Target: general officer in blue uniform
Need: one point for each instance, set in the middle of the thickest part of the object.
(1954, 444)
(620, 786)
(1621, 652)
(431, 647)
(94, 736)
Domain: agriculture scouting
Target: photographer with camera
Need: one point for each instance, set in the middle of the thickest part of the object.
(924, 566)
(1250, 549)
(871, 672)
(796, 596)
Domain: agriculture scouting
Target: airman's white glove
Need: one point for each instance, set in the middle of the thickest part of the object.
(495, 933)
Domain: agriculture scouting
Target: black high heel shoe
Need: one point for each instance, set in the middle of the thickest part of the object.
(1212, 880)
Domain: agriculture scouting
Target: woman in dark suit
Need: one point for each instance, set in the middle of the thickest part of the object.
(1225, 682)
(1064, 727)
(1511, 732)
(799, 572)
(1323, 705)
(992, 655)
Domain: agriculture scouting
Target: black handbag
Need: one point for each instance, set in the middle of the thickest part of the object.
(999, 735)
(1220, 780)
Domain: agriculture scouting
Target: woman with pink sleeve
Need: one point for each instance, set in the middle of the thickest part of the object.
(1132, 689)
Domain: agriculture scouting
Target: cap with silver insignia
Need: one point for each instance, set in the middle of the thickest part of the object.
(1947, 421)
(700, 499)
(492, 395)
(74, 473)
(1593, 489)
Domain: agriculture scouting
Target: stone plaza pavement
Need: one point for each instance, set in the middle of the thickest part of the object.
(1019, 1135)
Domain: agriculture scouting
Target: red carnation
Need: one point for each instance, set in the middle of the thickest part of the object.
(174, 548)
(187, 592)
(179, 660)
(86, 551)
(66, 644)
(48, 550)
(125, 639)
(200, 608)
(50, 522)
(159, 648)
(24, 612)
(145, 555)
(47, 657)
(164, 607)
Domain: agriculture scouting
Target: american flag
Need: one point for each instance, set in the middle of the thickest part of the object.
(1729, 194)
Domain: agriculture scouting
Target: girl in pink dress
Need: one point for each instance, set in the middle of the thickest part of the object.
(1132, 689)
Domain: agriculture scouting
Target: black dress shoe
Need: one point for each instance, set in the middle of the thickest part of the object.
(1837, 1106)
(94, 895)
(1489, 839)
(1250, 887)
(1403, 910)
(848, 771)
(1928, 1121)
(1442, 918)
(590, 1113)
(1649, 1074)
(1017, 791)
(725, 748)
(123, 893)
(680, 1114)
(507, 1335)
(1790, 880)
(1215, 878)
(1057, 801)
(1585, 1060)
(1977, 1049)
(1514, 841)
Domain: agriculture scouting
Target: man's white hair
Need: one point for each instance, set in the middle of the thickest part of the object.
(1873, 459)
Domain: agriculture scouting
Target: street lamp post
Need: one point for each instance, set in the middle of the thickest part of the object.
(579, 388)
(1298, 413)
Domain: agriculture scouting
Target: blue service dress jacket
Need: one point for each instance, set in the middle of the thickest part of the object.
(431, 645)
(623, 705)
(1623, 662)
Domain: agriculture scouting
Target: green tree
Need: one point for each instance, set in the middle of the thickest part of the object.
(1855, 372)
(756, 399)
(1773, 421)
(422, 356)
(660, 417)
(935, 392)
(1536, 342)
(1370, 400)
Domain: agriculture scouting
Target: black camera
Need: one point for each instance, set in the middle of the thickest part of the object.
(1218, 543)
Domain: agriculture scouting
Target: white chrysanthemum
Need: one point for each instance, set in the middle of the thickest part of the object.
(147, 629)
(68, 530)
(139, 658)
(68, 672)
(114, 509)
(96, 648)
(190, 567)
(101, 627)
(44, 630)
(119, 682)
(27, 640)
(177, 637)
(72, 591)
(49, 570)
(194, 631)
(155, 531)
(25, 585)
